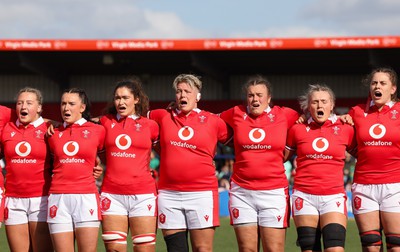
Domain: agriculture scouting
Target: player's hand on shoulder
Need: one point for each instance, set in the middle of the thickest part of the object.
(302, 118)
(346, 118)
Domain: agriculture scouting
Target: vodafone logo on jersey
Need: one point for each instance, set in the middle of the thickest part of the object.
(185, 133)
(257, 135)
(377, 131)
(320, 144)
(23, 149)
(123, 141)
(71, 148)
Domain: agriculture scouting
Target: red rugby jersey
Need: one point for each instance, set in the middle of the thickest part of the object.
(6, 115)
(128, 146)
(27, 159)
(188, 145)
(259, 145)
(75, 148)
(378, 139)
(320, 155)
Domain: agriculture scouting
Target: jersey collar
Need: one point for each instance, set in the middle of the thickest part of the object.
(333, 118)
(267, 110)
(80, 122)
(134, 117)
(178, 112)
(389, 104)
(35, 123)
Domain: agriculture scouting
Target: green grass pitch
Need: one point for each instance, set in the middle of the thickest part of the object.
(225, 240)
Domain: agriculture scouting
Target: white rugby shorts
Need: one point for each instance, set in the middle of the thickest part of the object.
(73, 208)
(311, 204)
(187, 210)
(267, 208)
(128, 205)
(23, 210)
(375, 197)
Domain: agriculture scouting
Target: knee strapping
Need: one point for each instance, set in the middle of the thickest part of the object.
(371, 238)
(114, 237)
(392, 240)
(177, 242)
(144, 239)
(309, 238)
(334, 235)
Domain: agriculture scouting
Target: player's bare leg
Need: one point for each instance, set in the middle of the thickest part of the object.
(86, 238)
(40, 236)
(18, 237)
(273, 239)
(115, 230)
(143, 231)
(369, 228)
(202, 239)
(247, 237)
(63, 242)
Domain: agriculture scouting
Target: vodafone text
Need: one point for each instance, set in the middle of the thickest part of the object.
(377, 143)
(72, 161)
(319, 156)
(183, 144)
(257, 147)
(23, 161)
(123, 154)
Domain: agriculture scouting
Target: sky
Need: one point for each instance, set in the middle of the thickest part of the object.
(179, 19)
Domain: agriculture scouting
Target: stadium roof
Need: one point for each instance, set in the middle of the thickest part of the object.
(58, 59)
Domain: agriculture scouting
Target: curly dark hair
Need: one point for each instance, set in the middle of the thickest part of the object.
(135, 86)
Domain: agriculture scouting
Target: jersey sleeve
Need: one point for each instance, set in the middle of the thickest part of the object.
(6, 115)
(154, 131)
(102, 136)
(352, 112)
(351, 141)
(290, 140)
(227, 116)
(157, 114)
(356, 109)
(103, 120)
(224, 131)
(291, 116)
